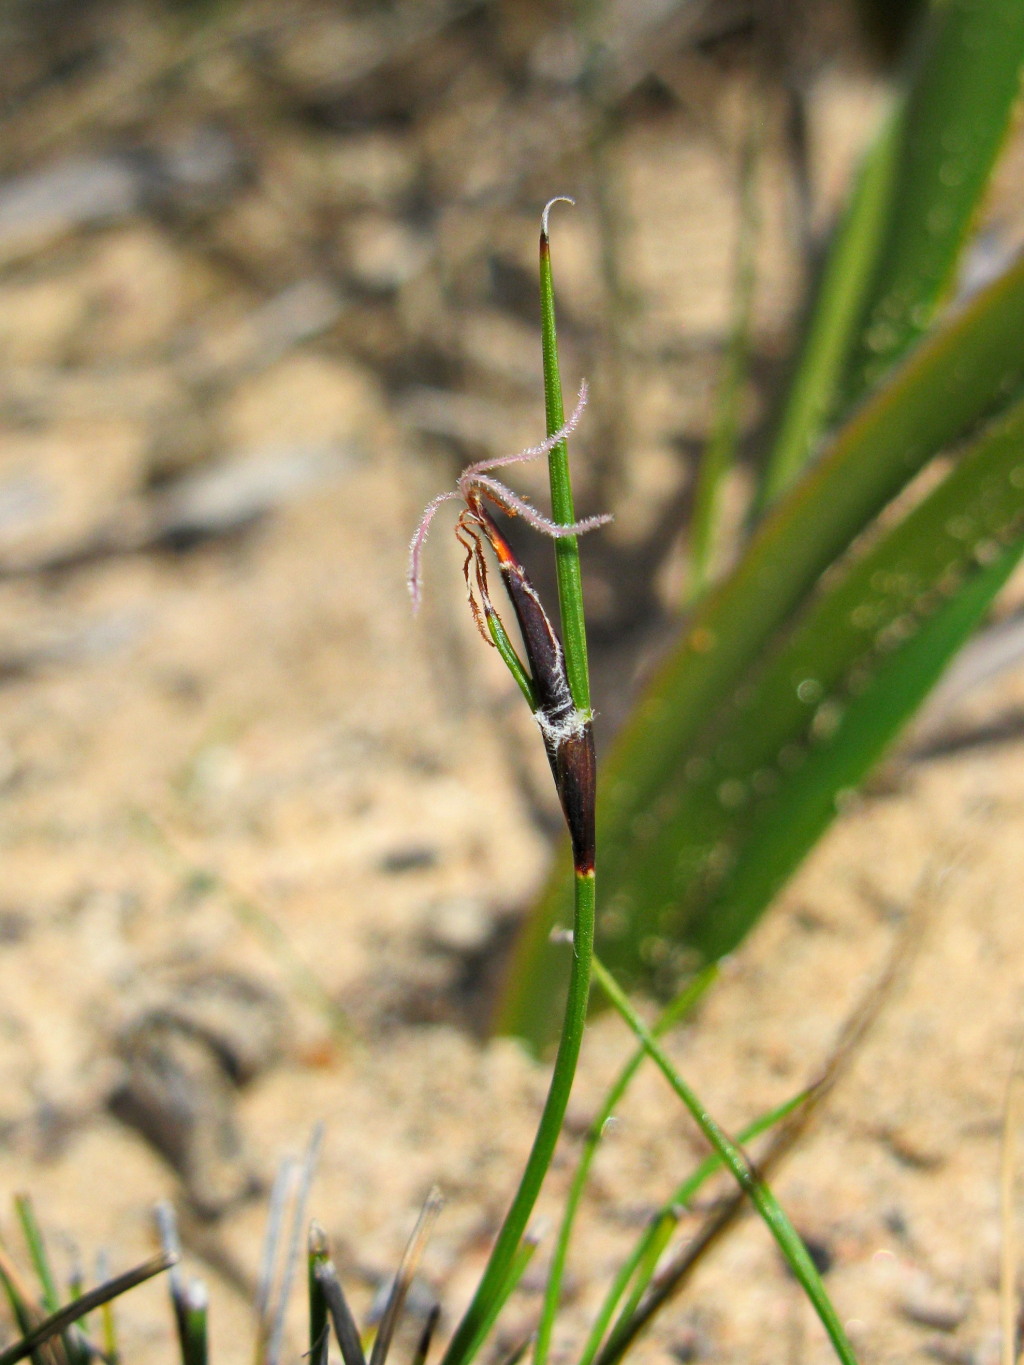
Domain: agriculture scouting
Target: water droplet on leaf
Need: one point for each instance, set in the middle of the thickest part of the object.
(732, 793)
(809, 691)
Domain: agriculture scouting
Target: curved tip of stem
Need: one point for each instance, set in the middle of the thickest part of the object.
(558, 199)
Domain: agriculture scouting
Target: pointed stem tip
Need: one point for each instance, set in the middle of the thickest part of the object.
(558, 199)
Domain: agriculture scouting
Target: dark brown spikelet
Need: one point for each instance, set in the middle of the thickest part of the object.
(574, 764)
(568, 732)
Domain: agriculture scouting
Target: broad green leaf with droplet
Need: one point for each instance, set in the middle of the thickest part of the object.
(952, 128)
(805, 725)
(896, 250)
(953, 380)
(828, 335)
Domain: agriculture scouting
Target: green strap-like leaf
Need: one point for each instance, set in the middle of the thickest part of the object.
(735, 1161)
(954, 123)
(765, 778)
(896, 250)
(950, 382)
(831, 325)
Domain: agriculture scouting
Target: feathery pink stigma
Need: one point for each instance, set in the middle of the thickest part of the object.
(475, 484)
(415, 575)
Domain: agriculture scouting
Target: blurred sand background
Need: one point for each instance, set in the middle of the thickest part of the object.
(267, 280)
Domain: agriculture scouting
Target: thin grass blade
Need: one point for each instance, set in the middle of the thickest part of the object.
(26, 1311)
(280, 1196)
(404, 1277)
(649, 1252)
(677, 1010)
(170, 1243)
(302, 1185)
(38, 1254)
(194, 1341)
(319, 1326)
(567, 553)
(63, 1318)
(108, 1318)
(787, 1238)
(673, 1277)
(78, 1339)
(520, 1264)
(829, 333)
(518, 1352)
(71, 1343)
(638, 1268)
(419, 1356)
(344, 1323)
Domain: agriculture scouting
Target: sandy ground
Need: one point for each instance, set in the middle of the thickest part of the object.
(264, 837)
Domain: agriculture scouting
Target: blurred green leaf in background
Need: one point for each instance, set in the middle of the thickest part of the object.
(795, 671)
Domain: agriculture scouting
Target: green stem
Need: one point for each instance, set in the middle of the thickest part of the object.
(567, 553)
(37, 1252)
(736, 1162)
(640, 1267)
(720, 452)
(671, 1015)
(499, 1275)
(655, 1237)
(831, 332)
(510, 658)
(317, 1256)
(520, 1264)
(498, 1280)
(194, 1348)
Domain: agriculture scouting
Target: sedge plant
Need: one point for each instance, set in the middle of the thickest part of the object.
(554, 680)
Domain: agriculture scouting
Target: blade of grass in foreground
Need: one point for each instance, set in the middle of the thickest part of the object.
(520, 1264)
(503, 1266)
(638, 1268)
(63, 1318)
(567, 551)
(404, 1277)
(194, 1339)
(108, 1318)
(673, 1275)
(25, 1311)
(317, 1256)
(735, 1161)
(74, 1348)
(37, 1251)
(345, 1329)
(669, 1017)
